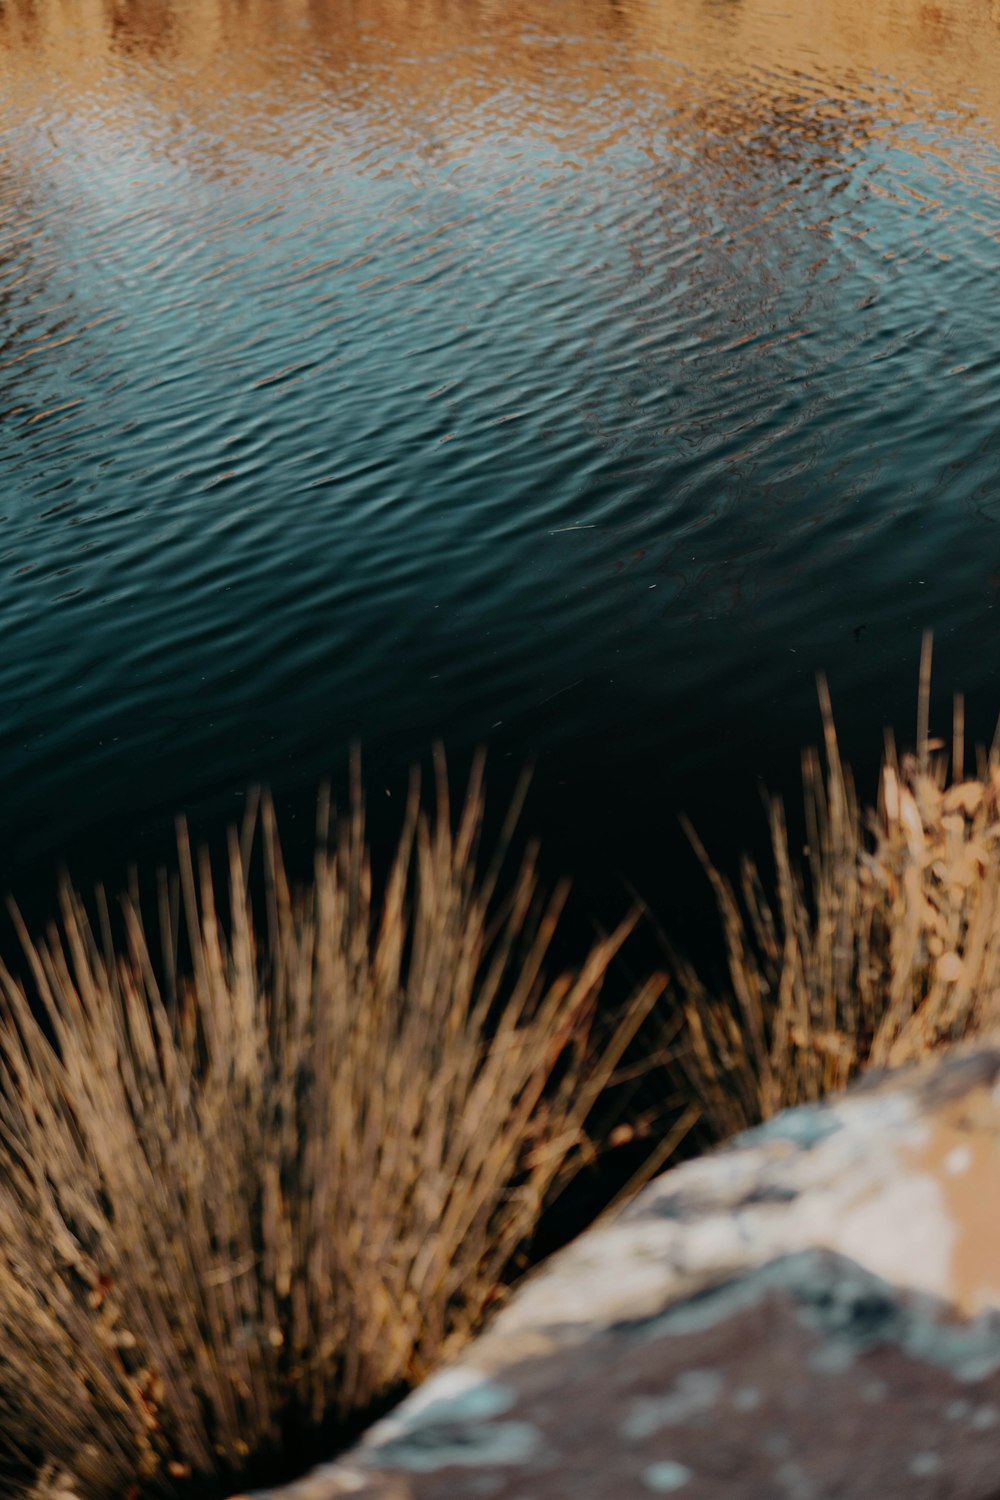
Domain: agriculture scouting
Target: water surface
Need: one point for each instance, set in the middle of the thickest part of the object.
(575, 378)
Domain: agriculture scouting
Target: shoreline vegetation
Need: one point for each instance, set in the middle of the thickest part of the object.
(262, 1175)
(267, 1160)
(877, 947)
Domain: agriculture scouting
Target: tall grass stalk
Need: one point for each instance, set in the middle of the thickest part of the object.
(880, 945)
(242, 1202)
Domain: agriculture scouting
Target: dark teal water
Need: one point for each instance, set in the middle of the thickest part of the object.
(575, 379)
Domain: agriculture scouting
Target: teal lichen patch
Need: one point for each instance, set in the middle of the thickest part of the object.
(457, 1395)
(804, 1127)
(665, 1477)
(467, 1445)
(850, 1308)
(692, 1395)
(451, 1420)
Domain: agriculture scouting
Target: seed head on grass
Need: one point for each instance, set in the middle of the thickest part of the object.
(237, 1204)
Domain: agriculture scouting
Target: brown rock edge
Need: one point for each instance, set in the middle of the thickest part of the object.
(813, 1312)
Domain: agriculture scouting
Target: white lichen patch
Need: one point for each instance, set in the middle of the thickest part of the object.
(665, 1477)
(900, 1231)
(958, 1161)
(615, 1274)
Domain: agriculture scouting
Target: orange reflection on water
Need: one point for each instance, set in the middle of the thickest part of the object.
(740, 69)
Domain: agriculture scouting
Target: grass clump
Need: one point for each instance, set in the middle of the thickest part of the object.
(247, 1196)
(878, 948)
(237, 1205)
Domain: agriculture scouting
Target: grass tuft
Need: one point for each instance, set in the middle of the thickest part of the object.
(238, 1205)
(879, 946)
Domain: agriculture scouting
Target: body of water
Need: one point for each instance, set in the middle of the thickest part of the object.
(574, 377)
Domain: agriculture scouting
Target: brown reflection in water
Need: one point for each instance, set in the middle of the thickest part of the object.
(143, 27)
(212, 57)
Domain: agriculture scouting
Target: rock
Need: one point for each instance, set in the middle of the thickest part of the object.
(813, 1312)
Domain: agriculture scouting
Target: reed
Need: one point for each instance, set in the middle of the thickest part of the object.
(237, 1204)
(879, 946)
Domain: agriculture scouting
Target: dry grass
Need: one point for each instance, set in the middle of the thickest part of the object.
(882, 947)
(236, 1205)
(239, 1204)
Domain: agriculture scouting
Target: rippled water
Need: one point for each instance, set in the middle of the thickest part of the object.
(575, 378)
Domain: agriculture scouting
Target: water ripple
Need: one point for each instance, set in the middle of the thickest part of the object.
(582, 377)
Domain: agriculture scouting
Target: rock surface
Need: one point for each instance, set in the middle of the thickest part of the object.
(813, 1312)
